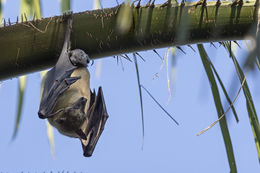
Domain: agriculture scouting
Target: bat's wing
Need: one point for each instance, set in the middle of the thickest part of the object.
(52, 92)
(95, 122)
(58, 78)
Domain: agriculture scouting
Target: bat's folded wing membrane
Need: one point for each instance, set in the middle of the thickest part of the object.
(95, 122)
(54, 88)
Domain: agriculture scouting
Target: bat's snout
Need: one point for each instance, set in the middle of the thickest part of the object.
(41, 114)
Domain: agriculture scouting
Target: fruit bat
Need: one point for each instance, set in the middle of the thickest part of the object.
(67, 100)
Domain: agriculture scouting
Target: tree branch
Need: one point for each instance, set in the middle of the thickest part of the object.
(35, 45)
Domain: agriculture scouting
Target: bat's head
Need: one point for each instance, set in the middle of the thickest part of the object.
(79, 58)
(69, 121)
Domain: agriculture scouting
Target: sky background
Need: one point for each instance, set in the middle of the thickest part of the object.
(167, 147)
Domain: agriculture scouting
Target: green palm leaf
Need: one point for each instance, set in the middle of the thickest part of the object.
(65, 5)
(22, 85)
(249, 101)
(28, 8)
(48, 126)
(219, 107)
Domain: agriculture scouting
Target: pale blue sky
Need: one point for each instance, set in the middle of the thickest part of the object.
(167, 147)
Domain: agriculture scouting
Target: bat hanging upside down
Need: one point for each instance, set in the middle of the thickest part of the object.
(67, 100)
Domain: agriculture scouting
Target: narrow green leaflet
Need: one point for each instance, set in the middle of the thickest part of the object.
(1, 15)
(26, 8)
(250, 107)
(258, 63)
(173, 68)
(173, 65)
(65, 5)
(25, 11)
(96, 4)
(50, 135)
(258, 34)
(49, 128)
(219, 107)
(250, 58)
(249, 102)
(37, 9)
(224, 90)
(167, 76)
(22, 84)
(167, 113)
(140, 94)
(30, 8)
(124, 19)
